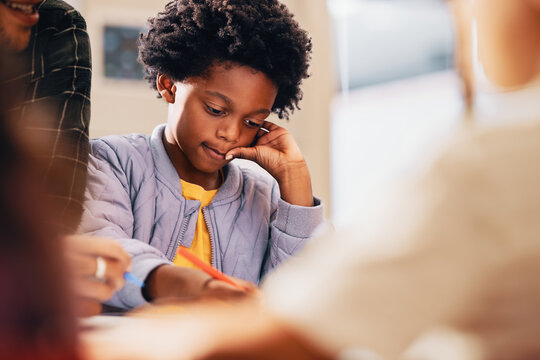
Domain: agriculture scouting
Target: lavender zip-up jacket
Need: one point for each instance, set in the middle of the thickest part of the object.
(134, 195)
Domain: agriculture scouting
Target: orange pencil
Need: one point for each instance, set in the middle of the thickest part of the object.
(213, 272)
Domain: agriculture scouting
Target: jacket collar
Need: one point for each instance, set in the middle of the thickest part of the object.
(228, 191)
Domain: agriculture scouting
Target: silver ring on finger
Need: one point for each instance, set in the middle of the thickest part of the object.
(101, 268)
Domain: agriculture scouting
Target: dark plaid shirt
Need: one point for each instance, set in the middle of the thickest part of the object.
(57, 80)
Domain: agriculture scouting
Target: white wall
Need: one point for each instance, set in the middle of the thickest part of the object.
(120, 106)
(387, 133)
(311, 126)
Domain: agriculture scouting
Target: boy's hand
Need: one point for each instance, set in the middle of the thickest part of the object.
(278, 153)
(169, 282)
(216, 289)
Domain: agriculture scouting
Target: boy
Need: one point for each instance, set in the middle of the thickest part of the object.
(223, 67)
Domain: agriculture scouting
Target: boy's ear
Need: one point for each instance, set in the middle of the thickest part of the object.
(166, 88)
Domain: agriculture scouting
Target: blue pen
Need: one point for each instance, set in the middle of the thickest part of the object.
(133, 279)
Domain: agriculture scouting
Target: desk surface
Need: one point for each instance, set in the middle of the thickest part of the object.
(171, 333)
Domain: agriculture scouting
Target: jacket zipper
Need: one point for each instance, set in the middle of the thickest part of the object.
(180, 236)
(212, 247)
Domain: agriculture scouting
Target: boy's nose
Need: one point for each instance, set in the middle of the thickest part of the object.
(229, 130)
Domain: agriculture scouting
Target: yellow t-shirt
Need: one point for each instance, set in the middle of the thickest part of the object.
(201, 246)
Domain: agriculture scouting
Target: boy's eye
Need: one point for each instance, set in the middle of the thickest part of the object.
(252, 124)
(214, 111)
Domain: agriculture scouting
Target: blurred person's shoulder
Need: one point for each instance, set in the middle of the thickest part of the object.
(502, 144)
(59, 15)
(489, 177)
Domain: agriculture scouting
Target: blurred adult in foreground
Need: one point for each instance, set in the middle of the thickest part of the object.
(45, 77)
(36, 312)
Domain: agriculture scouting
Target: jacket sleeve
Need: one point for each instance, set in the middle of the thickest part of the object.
(291, 227)
(108, 213)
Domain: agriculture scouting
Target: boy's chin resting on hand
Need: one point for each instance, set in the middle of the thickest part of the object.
(185, 284)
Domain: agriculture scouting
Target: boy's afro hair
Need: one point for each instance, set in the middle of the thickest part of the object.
(189, 36)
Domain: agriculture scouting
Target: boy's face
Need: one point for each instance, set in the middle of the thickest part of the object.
(17, 17)
(214, 114)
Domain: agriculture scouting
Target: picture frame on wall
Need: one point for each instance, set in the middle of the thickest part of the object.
(120, 52)
(122, 101)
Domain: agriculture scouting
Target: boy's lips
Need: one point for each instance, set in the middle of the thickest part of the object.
(214, 153)
(25, 11)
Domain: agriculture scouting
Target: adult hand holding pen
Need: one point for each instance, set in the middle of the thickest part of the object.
(97, 266)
